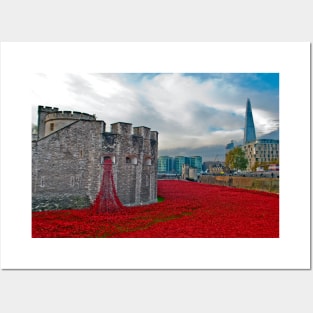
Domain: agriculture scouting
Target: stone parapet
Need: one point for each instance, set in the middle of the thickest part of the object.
(69, 115)
(154, 135)
(121, 128)
(142, 131)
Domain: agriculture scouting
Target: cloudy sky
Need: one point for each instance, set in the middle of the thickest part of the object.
(195, 114)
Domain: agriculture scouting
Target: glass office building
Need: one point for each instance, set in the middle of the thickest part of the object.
(249, 134)
(196, 162)
(165, 164)
(179, 161)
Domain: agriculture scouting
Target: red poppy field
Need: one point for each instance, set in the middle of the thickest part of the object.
(188, 209)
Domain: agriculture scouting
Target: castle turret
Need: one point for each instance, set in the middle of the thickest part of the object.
(57, 120)
(42, 113)
(51, 119)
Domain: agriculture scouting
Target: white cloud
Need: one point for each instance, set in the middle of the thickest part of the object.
(185, 111)
(264, 121)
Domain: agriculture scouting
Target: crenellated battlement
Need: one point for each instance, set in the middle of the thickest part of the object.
(154, 135)
(121, 128)
(47, 109)
(69, 115)
(52, 119)
(126, 129)
(52, 115)
(142, 131)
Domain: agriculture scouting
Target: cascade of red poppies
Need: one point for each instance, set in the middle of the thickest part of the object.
(107, 199)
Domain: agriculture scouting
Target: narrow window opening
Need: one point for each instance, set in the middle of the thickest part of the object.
(105, 158)
(51, 126)
(148, 161)
(131, 160)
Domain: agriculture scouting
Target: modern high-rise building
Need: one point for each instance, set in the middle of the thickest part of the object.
(165, 164)
(196, 162)
(187, 160)
(257, 150)
(179, 161)
(174, 165)
(249, 134)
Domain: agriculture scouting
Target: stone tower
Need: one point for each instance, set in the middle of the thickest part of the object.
(249, 134)
(68, 156)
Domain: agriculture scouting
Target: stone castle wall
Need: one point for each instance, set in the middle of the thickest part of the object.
(66, 169)
(67, 163)
(134, 156)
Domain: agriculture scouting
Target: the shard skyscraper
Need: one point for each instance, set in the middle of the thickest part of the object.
(249, 125)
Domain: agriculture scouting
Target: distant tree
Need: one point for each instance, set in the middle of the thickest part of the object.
(236, 160)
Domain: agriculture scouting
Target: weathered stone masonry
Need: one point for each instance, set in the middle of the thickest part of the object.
(68, 154)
